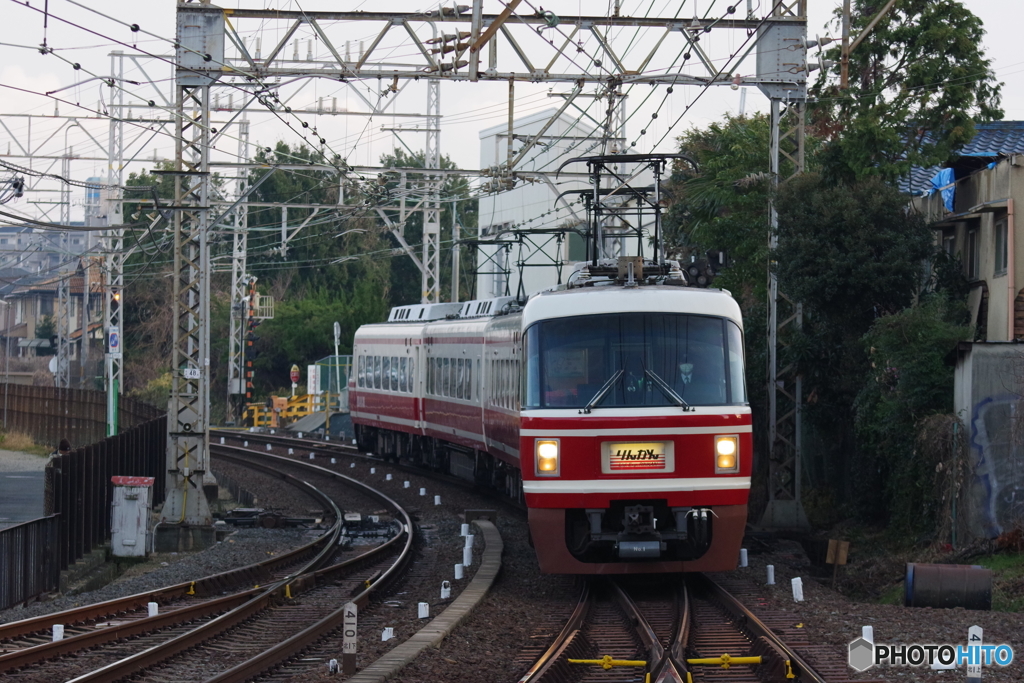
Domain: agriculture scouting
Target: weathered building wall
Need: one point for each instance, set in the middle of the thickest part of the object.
(988, 393)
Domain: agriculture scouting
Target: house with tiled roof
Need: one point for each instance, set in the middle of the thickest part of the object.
(972, 205)
(31, 299)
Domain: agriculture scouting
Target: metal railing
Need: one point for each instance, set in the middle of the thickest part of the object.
(29, 567)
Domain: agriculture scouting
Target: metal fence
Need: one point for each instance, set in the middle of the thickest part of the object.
(29, 567)
(49, 414)
(78, 495)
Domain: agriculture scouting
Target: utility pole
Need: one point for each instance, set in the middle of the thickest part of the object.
(113, 277)
(848, 47)
(239, 248)
(62, 377)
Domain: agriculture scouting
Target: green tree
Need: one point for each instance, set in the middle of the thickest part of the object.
(302, 330)
(46, 328)
(918, 84)
(146, 301)
(406, 283)
(850, 254)
(908, 380)
(723, 204)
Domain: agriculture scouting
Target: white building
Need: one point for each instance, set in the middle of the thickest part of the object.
(530, 259)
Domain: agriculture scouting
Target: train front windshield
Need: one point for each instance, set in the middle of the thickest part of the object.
(633, 359)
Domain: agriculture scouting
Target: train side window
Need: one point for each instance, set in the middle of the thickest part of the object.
(361, 371)
(386, 373)
(394, 373)
(412, 375)
(451, 379)
(515, 383)
(403, 382)
(734, 346)
(469, 379)
(504, 383)
(460, 378)
(495, 375)
(445, 380)
(376, 372)
(430, 375)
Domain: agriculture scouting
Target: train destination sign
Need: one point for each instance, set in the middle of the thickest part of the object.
(654, 456)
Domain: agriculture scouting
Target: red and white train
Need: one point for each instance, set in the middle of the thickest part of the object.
(616, 408)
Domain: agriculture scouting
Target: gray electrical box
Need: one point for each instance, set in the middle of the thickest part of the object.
(129, 516)
(782, 60)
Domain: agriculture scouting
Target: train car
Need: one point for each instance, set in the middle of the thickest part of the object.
(615, 407)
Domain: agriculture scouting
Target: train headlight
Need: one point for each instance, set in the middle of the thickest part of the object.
(727, 454)
(546, 452)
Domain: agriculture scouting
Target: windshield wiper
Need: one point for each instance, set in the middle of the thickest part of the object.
(667, 390)
(602, 391)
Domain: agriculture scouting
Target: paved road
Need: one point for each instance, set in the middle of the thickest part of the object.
(21, 497)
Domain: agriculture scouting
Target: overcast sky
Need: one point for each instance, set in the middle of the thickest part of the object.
(466, 108)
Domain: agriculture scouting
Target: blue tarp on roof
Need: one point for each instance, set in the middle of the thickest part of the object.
(999, 138)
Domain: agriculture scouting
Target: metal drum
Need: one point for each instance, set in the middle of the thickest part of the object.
(948, 585)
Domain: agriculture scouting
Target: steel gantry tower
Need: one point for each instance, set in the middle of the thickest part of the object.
(782, 69)
(432, 210)
(198, 36)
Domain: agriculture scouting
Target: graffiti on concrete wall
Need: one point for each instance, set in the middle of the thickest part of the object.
(997, 488)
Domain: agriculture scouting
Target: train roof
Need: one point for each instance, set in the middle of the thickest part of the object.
(614, 299)
(468, 309)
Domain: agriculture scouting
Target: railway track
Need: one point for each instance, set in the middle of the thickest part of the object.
(685, 631)
(295, 602)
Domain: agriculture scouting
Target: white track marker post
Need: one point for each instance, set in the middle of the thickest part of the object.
(771, 574)
(373, 470)
(387, 634)
(446, 590)
(387, 477)
(437, 500)
(406, 484)
(459, 568)
(743, 557)
(349, 627)
(424, 610)
(868, 633)
(58, 632)
(153, 609)
(798, 589)
(465, 530)
(974, 637)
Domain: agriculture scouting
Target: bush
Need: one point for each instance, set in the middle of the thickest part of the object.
(909, 381)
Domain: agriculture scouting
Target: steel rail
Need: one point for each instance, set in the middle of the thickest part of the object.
(301, 580)
(660, 664)
(315, 632)
(562, 641)
(342, 449)
(208, 585)
(255, 604)
(755, 627)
